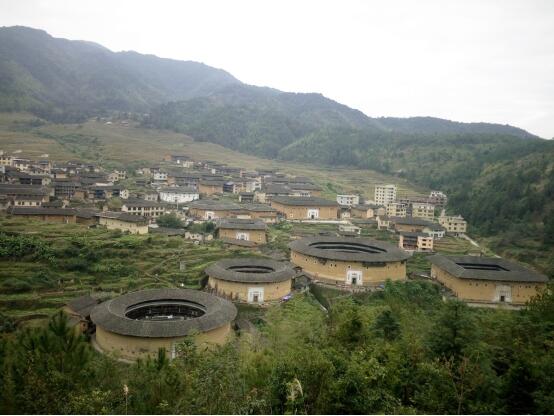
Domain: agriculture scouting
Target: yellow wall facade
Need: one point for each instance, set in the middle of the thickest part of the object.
(336, 271)
(293, 212)
(238, 291)
(485, 290)
(132, 348)
(132, 227)
(256, 236)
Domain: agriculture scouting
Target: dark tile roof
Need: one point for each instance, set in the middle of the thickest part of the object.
(411, 221)
(304, 201)
(180, 190)
(121, 216)
(210, 204)
(242, 224)
(486, 268)
(41, 211)
(258, 208)
(251, 270)
(110, 315)
(137, 202)
(87, 213)
(348, 249)
(83, 305)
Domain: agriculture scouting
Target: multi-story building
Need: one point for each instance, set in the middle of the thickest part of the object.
(423, 210)
(396, 209)
(415, 242)
(179, 195)
(148, 209)
(453, 224)
(385, 194)
(438, 198)
(348, 199)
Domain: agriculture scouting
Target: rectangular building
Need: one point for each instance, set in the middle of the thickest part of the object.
(305, 208)
(487, 279)
(385, 194)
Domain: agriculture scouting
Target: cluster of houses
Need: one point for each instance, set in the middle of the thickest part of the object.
(242, 204)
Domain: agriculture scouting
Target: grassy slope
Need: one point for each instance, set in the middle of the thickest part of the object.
(116, 144)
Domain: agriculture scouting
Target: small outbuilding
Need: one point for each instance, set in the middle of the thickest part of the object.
(240, 230)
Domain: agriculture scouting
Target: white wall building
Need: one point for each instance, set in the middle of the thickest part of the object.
(179, 195)
(385, 194)
(348, 200)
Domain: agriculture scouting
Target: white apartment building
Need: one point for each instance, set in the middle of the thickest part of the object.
(385, 194)
(348, 200)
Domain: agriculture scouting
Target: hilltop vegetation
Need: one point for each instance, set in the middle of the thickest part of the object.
(64, 80)
(402, 350)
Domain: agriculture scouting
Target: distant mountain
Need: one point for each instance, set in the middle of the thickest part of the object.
(66, 80)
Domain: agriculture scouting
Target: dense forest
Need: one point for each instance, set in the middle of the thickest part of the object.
(402, 350)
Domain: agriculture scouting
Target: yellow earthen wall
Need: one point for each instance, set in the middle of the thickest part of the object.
(336, 270)
(239, 291)
(482, 290)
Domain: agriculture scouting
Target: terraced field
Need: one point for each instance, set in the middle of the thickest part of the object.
(94, 260)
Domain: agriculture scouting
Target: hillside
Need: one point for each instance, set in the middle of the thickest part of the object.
(497, 176)
(69, 80)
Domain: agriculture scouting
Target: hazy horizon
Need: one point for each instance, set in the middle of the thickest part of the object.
(471, 62)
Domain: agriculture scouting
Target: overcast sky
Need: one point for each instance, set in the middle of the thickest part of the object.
(462, 60)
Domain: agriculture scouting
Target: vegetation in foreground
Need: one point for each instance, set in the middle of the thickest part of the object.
(402, 350)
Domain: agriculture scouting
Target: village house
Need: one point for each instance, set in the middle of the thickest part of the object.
(148, 209)
(210, 187)
(455, 225)
(117, 175)
(78, 310)
(87, 216)
(242, 230)
(348, 199)
(61, 215)
(212, 210)
(396, 209)
(99, 193)
(179, 195)
(305, 189)
(27, 201)
(246, 197)
(419, 242)
(305, 208)
(423, 210)
(148, 195)
(261, 212)
(268, 191)
(438, 199)
(366, 211)
(409, 224)
(13, 191)
(67, 188)
(349, 229)
(123, 221)
(385, 194)
(487, 279)
(5, 159)
(383, 222)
